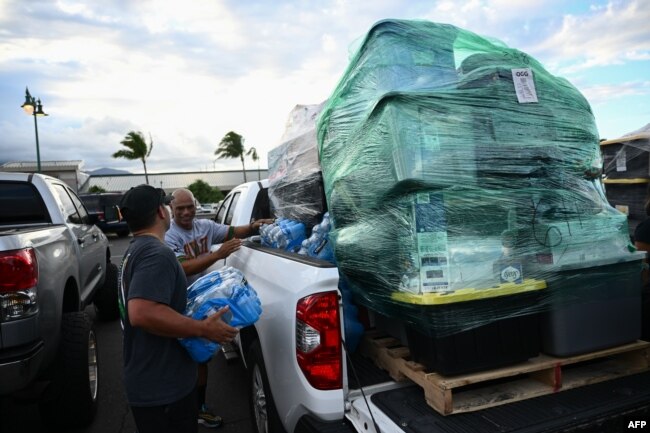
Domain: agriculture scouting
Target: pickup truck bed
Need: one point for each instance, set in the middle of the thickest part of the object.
(603, 407)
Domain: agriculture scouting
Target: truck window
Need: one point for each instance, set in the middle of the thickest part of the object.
(231, 209)
(222, 210)
(21, 203)
(104, 203)
(91, 202)
(262, 206)
(80, 207)
(69, 209)
(111, 203)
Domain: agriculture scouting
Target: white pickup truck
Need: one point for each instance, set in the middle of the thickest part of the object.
(302, 380)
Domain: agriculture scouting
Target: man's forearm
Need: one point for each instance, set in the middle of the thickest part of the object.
(250, 229)
(243, 231)
(201, 263)
(162, 320)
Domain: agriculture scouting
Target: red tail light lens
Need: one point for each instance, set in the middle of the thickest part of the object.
(318, 340)
(101, 216)
(18, 278)
(19, 270)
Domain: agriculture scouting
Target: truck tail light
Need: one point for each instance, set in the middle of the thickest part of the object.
(18, 279)
(101, 216)
(318, 340)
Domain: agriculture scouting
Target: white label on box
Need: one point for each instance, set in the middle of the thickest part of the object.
(434, 261)
(524, 85)
(621, 161)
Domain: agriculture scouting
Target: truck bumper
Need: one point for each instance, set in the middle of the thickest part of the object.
(310, 424)
(19, 366)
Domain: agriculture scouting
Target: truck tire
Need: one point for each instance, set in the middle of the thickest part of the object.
(105, 300)
(265, 415)
(70, 399)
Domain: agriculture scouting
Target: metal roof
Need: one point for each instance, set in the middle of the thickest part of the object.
(224, 180)
(29, 166)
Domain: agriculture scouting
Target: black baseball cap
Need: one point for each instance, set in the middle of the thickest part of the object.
(142, 200)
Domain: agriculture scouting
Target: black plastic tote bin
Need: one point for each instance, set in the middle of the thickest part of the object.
(593, 307)
(480, 334)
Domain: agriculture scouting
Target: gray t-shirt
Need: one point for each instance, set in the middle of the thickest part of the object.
(189, 244)
(157, 370)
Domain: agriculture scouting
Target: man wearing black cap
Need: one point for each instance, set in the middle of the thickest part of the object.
(191, 240)
(159, 375)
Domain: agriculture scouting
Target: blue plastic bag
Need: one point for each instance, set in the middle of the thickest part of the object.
(210, 293)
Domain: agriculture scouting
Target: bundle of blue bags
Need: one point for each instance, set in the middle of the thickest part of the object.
(290, 235)
(212, 292)
(318, 244)
(284, 234)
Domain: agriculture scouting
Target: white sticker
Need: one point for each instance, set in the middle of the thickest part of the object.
(524, 85)
(621, 161)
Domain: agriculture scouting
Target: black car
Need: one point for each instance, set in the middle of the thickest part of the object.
(105, 206)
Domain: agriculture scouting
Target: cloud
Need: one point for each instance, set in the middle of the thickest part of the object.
(190, 73)
(512, 22)
(603, 93)
(613, 34)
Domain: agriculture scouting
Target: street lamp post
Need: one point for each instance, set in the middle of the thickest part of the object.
(33, 107)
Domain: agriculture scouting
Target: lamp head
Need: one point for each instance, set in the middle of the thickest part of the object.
(39, 109)
(29, 104)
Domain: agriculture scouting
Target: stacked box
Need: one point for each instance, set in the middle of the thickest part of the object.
(455, 165)
(295, 180)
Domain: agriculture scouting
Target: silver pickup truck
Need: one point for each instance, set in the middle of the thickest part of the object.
(53, 263)
(302, 380)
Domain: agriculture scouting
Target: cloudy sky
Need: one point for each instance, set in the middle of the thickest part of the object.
(188, 72)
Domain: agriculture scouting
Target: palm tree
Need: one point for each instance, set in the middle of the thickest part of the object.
(232, 146)
(138, 149)
(252, 152)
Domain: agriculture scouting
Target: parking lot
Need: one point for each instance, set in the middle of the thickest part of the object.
(227, 386)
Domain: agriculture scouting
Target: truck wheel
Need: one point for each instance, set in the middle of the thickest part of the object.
(70, 399)
(265, 415)
(105, 300)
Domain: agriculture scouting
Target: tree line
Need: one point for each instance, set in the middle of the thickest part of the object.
(231, 146)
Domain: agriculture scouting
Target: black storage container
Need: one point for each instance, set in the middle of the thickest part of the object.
(593, 307)
(496, 344)
(481, 334)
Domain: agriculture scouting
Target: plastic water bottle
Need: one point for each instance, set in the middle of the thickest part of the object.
(296, 234)
(318, 245)
(304, 247)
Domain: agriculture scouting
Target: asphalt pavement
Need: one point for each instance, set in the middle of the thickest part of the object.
(227, 386)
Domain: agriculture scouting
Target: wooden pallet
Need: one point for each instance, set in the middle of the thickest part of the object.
(535, 377)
